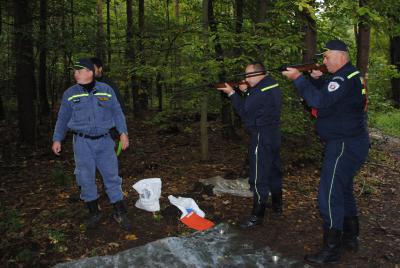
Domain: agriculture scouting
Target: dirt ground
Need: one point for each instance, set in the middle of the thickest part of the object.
(41, 223)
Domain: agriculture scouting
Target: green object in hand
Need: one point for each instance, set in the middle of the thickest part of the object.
(119, 149)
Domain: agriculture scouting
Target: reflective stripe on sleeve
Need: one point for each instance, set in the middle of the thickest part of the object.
(352, 74)
(103, 94)
(78, 96)
(269, 87)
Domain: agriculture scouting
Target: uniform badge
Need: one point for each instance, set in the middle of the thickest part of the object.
(103, 99)
(333, 86)
(76, 100)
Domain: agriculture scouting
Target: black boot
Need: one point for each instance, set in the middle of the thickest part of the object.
(256, 217)
(277, 202)
(351, 230)
(121, 215)
(94, 215)
(330, 252)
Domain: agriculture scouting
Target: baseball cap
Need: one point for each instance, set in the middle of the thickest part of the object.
(83, 63)
(335, 44)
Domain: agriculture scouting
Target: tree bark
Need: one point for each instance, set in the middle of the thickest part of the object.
(130, 55)
(2, 112)
(108, 33)
(395, 60)
(100, 44)
(363, 42)
(204, 100)
(44, 103)
(24, 75)
(310, 36)
(143, 83)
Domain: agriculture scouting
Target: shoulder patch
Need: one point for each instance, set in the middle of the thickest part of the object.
(338, 78)
(333, 86)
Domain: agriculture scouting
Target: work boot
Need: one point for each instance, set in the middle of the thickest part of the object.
(351, 230)
(94, 215)
(256, 217)
(121, 215)
(277, 202)
(330, 252)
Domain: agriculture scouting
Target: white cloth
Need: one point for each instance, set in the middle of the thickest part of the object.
(149, 194)
(186, 205)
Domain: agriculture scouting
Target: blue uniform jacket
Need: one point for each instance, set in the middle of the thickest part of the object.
(92, 113)
(339, 101)
(262, 105)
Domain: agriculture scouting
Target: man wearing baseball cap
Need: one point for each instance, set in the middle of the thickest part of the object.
(89, 109)
(342, 126)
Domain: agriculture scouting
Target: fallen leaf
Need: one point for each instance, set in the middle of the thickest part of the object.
(131, 237)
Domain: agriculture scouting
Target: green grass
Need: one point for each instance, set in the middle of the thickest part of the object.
(388, 122)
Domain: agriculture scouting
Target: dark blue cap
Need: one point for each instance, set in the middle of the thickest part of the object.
(83, 63)
(335, 44)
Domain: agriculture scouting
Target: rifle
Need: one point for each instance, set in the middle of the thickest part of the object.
(305, 67)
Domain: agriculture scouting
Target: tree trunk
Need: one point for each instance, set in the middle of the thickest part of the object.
(310, 36)
(363, 42)
(143, 83)
(395, 60)
(24, 74)
(108, 33)
(204, 101)
(100, 43)
(130, 51)
(176, 9)
(261, 11)
(159, 92)
(44, 103)
(2, 112)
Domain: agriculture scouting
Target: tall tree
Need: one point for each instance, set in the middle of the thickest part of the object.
(363, 33)
(176, 9)
(395, 60)
(108, 33)
(309, 28)
(204, 101)
(2, 113)
(143, 96)
(130, 55)
(100, 36)
(44, 103)
(24, 73)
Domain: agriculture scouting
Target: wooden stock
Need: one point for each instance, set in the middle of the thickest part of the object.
(232, 84)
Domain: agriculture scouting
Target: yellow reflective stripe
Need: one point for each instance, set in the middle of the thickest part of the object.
(78, 96)
(363, 91)
(103, 94)
(352, 74)
(269, 87)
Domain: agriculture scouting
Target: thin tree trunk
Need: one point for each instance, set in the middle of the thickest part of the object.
(108, 33)
(44, 103)
(143, 83)
(2, 112)
(176, 9)
(24, 75)
(204, 101)
(100, 44)
(395, 60)
(363, 42)
(131, 57)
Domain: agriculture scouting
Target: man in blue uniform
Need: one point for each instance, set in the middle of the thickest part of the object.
(342, 125)
(90, 109)
(260, 111)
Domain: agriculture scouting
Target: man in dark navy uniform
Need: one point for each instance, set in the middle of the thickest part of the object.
(260, 111)
(341, 124)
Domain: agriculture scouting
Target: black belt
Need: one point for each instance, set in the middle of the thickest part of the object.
(90, 137)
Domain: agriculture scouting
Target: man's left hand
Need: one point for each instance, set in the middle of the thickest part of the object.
(124, 141)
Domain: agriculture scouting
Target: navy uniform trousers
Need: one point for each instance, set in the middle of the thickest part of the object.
(342, 160)
(265, 162)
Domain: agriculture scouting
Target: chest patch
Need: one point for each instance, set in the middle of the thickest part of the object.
(103, 99)
(333, 86)
(76, 100)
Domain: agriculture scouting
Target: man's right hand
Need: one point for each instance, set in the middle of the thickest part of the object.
(56, 147)
(316, 74)
(227, 89)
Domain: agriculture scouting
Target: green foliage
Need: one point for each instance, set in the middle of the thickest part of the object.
(60, 177)
(388, 122)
